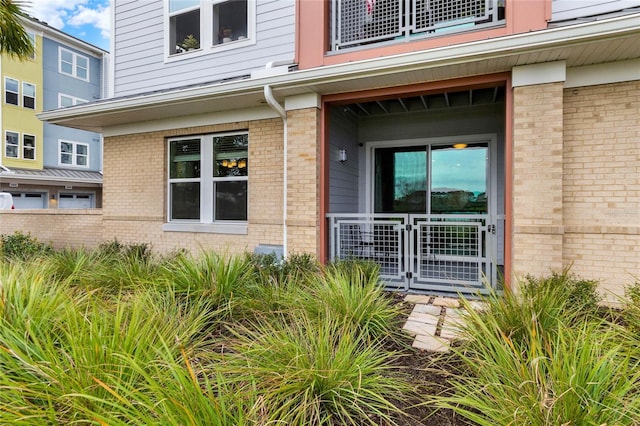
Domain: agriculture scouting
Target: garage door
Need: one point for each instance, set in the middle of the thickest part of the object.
(29, 200)
(76, 201)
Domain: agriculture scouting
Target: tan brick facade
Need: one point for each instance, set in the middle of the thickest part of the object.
(601, 182)
(136, 189)
(537, 179)
(576, 182)
(303, 205)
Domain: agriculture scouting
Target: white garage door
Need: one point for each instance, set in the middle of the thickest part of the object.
(76, 201)
(29, 200)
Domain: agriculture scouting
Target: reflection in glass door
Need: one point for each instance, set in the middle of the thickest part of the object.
(442, 190)
(400, 180)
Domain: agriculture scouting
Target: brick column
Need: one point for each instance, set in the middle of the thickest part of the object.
(537, 178)
(303, 168)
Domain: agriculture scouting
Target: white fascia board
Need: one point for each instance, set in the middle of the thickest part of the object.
(306, 100)
(614, 72)
(547, 72)
(447, 55)
(207, 119)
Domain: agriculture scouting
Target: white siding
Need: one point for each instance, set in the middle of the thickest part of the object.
(139, 56)
(571, 9)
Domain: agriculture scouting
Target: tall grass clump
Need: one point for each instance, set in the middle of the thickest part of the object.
(352, 291)
(302, 371)
(208, 275)
(543, 356)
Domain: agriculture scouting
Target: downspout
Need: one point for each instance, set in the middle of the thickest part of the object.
(279, 109)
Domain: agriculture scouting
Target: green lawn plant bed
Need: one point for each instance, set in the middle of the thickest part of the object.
(122, 336)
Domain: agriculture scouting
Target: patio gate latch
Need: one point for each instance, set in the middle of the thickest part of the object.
(408, 227)
(492, 229)
(409, 274)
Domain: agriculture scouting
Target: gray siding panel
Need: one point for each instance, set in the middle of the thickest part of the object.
(139, 58)
(572, 9)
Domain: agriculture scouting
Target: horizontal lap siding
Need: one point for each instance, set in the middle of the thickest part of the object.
(139, 48)
(571, 9)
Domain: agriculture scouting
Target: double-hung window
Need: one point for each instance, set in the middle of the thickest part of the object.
(11, 88)
(74, 154)
(13, 148)
(203, 25)
(28, 147)
(73, 64)
(68, 100)
(28, 95)
(32, 38)
(208, 178)
(12, 144)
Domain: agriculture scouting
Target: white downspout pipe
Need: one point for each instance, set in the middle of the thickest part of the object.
(279, 109)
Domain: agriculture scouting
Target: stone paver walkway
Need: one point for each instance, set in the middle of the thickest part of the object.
(434, 321)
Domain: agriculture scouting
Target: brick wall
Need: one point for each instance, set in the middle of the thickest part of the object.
(601, 178)
(303, 197)
(135, 191)
(537, 179)
(60, 228)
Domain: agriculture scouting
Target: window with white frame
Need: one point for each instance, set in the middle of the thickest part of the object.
(227, 22)
(11, 91)
(32, 37)
(28, 147)
(73, 64)
(68, 100)
(28, 95)
(208, 178)
(74, 154)
(11, 144)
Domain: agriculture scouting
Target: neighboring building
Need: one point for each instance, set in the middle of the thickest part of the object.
(451, 142)
(45, 165)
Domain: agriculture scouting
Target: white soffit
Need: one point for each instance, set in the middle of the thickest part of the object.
(528, 75)
(614, 72)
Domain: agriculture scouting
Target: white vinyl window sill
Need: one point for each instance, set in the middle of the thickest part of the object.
(207, 228)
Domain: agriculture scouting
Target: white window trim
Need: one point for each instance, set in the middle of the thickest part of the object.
(74, 154)
(4, 154)
(74, 64)
(206, 224)
(206, 37)
(22, 147)
(35, 93)
(74, 100)
(32, 37)
(6, 90)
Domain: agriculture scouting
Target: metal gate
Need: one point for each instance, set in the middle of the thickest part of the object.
(444, 253)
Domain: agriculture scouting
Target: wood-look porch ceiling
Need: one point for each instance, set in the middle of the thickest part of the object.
(427, 102)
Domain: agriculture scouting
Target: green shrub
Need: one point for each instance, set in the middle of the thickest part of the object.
(310, 372)
(22, 246)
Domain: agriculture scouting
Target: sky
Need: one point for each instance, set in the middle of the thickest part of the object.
(87, 20)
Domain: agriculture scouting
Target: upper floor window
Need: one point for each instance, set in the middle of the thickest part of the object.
(11, 88)
(74, 154)
(73, 64)
(208, 178)
(28, 95)
(32, 37)
(68, 100)
(13, 148)
(12, 144)
(29, 147)
(201, 25)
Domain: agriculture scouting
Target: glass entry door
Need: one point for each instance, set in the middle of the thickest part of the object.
(454, 178)
(442, 190)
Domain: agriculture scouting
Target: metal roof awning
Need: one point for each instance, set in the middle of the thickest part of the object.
(52, 176)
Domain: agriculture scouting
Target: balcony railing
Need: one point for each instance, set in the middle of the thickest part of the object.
(363, 22)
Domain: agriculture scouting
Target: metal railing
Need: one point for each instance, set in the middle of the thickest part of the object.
(357, 23)
(448, 253)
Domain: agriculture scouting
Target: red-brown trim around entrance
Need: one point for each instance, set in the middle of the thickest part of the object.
(475, 82)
